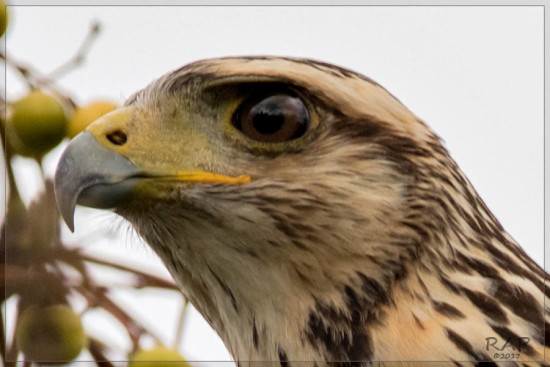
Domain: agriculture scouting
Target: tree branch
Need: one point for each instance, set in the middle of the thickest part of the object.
(96, 350)
(98, 297)
(80, 55)
(143, 279)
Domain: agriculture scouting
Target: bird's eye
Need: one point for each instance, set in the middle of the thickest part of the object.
(272, 119)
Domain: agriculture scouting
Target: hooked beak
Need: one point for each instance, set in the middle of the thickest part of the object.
(91, 175)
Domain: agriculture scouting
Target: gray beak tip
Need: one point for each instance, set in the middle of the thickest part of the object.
(65, 203)
(70, 223)
(68, 218)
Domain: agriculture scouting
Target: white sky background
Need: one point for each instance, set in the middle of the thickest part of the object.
(474, 74)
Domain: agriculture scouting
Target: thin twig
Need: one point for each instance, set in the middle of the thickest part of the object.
(76, 258)
(35, 80)
(96, 350)
(98, 297)
(179, 328)
(144, 279)
(14, 195)
(80, 55)
(28, 74)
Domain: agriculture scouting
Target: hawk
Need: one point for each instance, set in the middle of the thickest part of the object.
(309, 216)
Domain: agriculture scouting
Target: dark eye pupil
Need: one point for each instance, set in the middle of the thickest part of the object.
(273, 118)
(266, 122)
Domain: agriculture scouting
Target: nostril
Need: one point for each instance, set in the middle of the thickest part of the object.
(117, 137)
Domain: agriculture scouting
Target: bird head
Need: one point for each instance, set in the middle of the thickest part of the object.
(273, 187)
